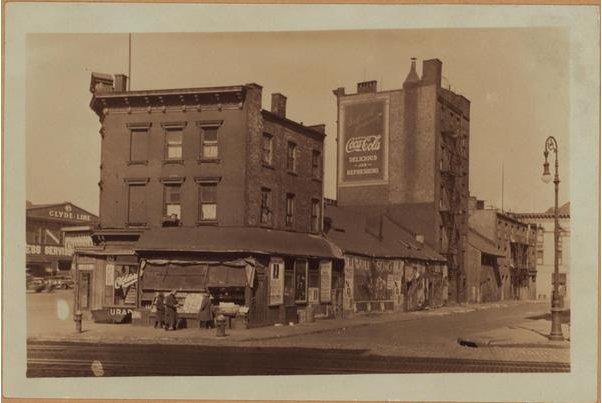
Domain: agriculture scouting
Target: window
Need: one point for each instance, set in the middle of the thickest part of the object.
(266, 206)
(52, 237)
(136, 204)
(172, 208)
(540, 256)
(173, 144)
(208, 201)
(315, 165)
(34, 235)
(267, 149)
(315, 215)
(290, 209)
(291, 157)
(209, 143)
(138, 145)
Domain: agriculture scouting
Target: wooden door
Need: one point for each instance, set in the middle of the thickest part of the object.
(259, 306)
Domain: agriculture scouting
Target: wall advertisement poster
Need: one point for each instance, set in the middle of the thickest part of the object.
(325, 281)
(276, 296)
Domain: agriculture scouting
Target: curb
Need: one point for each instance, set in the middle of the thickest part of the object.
(475, 343)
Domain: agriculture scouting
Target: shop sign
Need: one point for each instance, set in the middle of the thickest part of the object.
(390, 282)
(48, 250)
(276, 282)
(126, 280)
(325, 281)
(33, 249)
(363, 149)
(68, 214)
(119, 313)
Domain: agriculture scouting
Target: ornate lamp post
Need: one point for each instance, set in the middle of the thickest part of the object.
(552, 145)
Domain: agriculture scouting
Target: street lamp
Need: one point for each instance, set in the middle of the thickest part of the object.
(552, 145)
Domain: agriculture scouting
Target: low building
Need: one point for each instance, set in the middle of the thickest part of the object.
(545, 248)
(202, 190)
(387, 267)
(483, 271)
(516, 241)
(50, 231)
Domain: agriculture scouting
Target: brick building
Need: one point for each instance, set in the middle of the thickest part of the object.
(203, 190)
(515, 247)
(404, 153)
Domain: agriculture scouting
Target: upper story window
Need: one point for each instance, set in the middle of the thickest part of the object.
(266, 206)
(208, 201)
(267, 147)
(315, 215)
(172, 206)
(138, 145)
(290, 209)
(315, 164)
(173, 144)
(209, 143)
(291, 157)
(34, 235)
(52, 236)
(136, 204)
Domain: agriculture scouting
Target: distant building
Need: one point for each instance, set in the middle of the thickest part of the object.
(514, 244)
(545, 248)
(203, 190)
(50, 243)
(405, 152)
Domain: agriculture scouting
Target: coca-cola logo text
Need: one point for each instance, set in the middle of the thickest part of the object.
(363, 144)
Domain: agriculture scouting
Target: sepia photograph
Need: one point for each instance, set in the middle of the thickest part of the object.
(306, 201)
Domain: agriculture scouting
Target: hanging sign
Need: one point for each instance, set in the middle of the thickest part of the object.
(276, 269)
(325, 281)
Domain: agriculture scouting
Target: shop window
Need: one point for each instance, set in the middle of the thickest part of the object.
(290, 209)
(291, 157)
(267, 149)
(209, 144)
(315, 164)
(173, 143)
(138, 145)
(315, 215)
(208, 201)
(136, 204)
(266, 206)
(300, 271)
(314, 278)
(172, 208)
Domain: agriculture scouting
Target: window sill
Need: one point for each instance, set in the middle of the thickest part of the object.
(167, 162)
(208, 160)
(145, 162)
(206, 222)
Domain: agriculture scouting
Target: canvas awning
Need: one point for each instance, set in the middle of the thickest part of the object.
(192, 277)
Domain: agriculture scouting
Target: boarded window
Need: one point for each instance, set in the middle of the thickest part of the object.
(267, 147)
(136, 204)
(139, 145)
(291, 157)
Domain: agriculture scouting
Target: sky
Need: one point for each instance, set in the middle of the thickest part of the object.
(516, 79)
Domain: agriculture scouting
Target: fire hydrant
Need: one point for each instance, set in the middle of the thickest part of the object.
(220, 330)
(78, 321)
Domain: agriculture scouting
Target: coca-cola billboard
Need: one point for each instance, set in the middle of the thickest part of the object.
(363, 143)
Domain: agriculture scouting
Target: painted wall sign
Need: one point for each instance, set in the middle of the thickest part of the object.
(325, 281)
(126, 280)
(48, 250)
(363, 145)
(276, 282)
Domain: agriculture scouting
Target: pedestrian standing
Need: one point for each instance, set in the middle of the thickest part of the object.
(206, 312)
(159, 307)
(171, 304)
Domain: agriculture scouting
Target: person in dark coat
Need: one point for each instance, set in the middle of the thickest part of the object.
(171, 304)
(159, 305)
(206, 312)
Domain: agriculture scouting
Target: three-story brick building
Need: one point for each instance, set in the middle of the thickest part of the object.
(203, 190)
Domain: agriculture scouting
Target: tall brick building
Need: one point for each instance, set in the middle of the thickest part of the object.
(404, 153)
(203, 190)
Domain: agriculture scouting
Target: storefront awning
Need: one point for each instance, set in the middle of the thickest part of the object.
(236, 240)
(192, 277)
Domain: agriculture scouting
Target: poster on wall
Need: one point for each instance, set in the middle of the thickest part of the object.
(364, 142)
(276, 282)
(314, 295)
(109, 274)
(325, 281)
(300, 280)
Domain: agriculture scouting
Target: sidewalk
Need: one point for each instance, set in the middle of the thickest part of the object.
(64, 330)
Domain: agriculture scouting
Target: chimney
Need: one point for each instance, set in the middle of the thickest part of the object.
(121, 83)
(279, 105)
(412, 77)
(366, 86)
(319, 128)
(431, 72)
